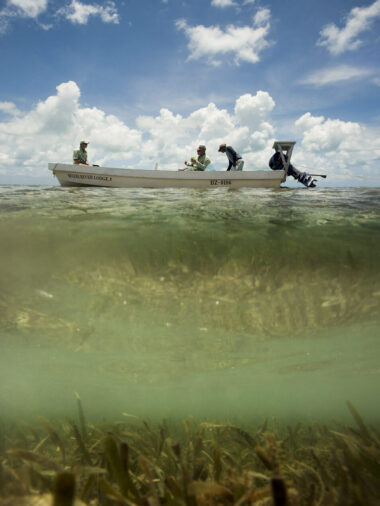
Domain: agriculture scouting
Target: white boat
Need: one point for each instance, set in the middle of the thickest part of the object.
(93, 175)
(88, 175)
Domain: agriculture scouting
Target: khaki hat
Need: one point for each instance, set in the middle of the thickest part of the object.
(222, 146)
(84, 142)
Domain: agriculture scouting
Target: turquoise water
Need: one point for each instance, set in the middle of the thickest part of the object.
(170, 303)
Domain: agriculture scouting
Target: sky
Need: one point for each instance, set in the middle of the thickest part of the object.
(146, 81)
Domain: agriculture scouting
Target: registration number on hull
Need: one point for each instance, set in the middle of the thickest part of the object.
(220, 182)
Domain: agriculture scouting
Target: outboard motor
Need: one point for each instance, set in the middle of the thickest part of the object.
(281, 161)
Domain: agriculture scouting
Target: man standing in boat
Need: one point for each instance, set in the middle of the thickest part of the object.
(199, 162)
(80, 155)
(236, 162)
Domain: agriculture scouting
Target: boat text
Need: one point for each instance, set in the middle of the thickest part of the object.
(220, 182)
(90, 176)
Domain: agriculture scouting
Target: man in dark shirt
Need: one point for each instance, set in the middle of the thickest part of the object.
(275, 163)
(236, 162)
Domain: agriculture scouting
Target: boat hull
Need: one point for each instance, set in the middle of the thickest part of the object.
(87, 175)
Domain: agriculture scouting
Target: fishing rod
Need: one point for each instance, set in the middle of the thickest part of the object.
(318, 175)
(366, 178)
(311, 168)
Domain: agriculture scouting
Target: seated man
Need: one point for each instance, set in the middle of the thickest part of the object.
(80, 155)
(199, 162)
(275, 163)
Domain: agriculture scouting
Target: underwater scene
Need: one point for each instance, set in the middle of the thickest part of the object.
(189, 347)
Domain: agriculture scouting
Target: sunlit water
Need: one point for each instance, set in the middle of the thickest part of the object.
(216, 304)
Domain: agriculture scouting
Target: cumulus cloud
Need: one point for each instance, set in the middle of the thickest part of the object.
(171, 138)
(359, 20)
(320, 134)
(75, 12)
(253, 110)
(78, 12)
(344, 149)
(244, 43)
(337, 74)
(223, 3)
(9, 108)
(54, 127)
(29, 8)
(20, 9)
(229, 3)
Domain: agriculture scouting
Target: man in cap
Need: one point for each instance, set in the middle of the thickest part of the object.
(236, 162)
(199, 162)
(80, 155)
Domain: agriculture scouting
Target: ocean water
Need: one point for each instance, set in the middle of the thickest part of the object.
(222, 305)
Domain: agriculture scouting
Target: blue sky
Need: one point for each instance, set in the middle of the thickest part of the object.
(147, 80)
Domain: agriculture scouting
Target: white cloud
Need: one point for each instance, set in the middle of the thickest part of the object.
(359, 20)
(55, 126)
(78, 12)
(51, 130)
(253, 111)
(9, 108)
(344, 149)
(262, 18)
(4, 21)
(244, 43)
(20, 9)
(223, 3)
(170, 138)
(320, 134)
(337, 74)
(29, 8)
